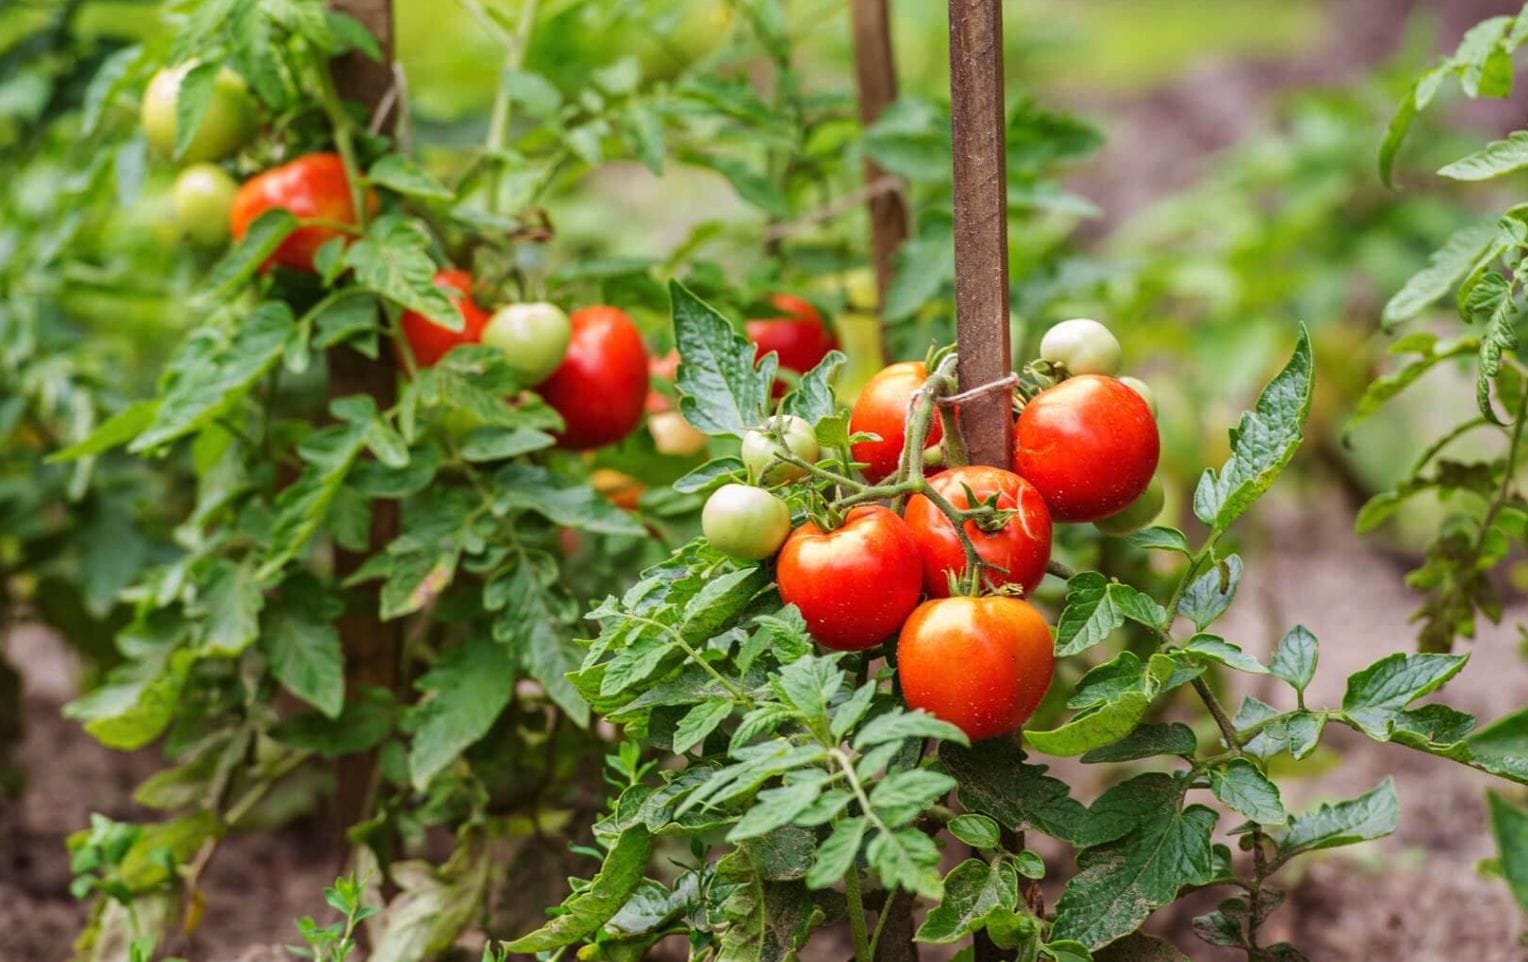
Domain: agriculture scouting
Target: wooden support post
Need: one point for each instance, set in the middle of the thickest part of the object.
(981, 225)
(372, 646)
(876, 75)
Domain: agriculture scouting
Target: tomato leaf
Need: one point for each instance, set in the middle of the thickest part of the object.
(1261, 445)
(401, 174)
(393, 260)
(298, 637)
(972, 890)
(721, 390)
(1372, 815)
(596, 904)
(1120, 882)
(464, 693)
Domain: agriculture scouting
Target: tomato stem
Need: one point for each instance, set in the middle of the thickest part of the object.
(344, 143)
(856, 910)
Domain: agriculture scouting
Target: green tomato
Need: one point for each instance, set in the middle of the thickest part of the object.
(1081, 346)
(1144, 390)
(534, 338)
(203, 194)
(759, 449)
(1137, 514)
(745, 522)
(229, 121)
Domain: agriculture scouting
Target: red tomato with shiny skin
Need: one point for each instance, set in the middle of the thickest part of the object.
(799, 337)
(1019, 549)
(428, 341)
(981, 664)
(1089, 444)
(881, 408)
(856, 584)
(601, 386)
(312, 187)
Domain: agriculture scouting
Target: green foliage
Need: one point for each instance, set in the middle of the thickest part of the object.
(1480, 264)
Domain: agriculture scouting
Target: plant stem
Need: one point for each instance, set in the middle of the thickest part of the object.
(1508, 475)
(1222, 720)
(880, 922)
(856, 910)
(343, 142)
(710, 669)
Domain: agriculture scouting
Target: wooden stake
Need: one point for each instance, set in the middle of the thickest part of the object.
(876, 74)
(981, 225)
(372, 646)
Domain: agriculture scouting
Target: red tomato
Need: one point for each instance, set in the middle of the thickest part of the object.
(312, 187)
(1019, 549)
(1089, 444)
(854, 584)
(981, 664)
(428, 341)
(881, 408)
(601, 386)
(799, 338)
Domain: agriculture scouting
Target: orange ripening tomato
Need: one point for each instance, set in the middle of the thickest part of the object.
(855, 584)
(428, 341)
(620, 489)
(981, 664)
(1089, 444)
(799, 338)
(881, 408)
(1018, 551)
(600, 389)
(314, 188)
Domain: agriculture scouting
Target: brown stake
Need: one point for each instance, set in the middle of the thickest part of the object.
(371, 645)
(981, 225)
(876, 73)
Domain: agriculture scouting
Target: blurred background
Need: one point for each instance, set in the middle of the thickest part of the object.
(1218, 187)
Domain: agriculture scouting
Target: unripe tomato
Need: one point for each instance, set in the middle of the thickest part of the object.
(745, 522)
(672, 434)
(312, 187)
(1089, 445)
(799, 338)
(1137, 514)
(881, 408)
(1144, 390)
(428, 341)
(229, 121)
(620, 489)
(601, 384)
(1019, 549)
(203, 193)
(759, 449)
(855, 584)
(981, 664)
(534, 337)
(1081, 346)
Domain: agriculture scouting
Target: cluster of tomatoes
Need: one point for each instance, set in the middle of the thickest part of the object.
(1085, 450)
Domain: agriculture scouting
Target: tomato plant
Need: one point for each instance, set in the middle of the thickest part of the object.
(381, 534)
